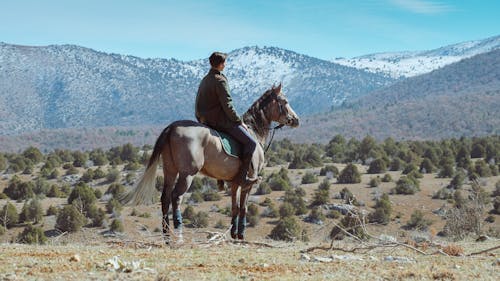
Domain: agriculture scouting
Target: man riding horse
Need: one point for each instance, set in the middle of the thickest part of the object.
(214, 108)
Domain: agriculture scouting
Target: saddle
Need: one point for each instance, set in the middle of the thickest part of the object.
(231, 146)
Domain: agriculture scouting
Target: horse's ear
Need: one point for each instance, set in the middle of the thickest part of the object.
(278, 89)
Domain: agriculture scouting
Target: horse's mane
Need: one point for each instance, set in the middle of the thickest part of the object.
(255, 117)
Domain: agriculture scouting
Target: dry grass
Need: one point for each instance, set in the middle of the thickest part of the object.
(230, 261)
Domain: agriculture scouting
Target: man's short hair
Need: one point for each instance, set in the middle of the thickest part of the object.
(217, 58)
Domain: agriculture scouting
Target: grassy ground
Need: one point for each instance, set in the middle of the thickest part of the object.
(229, 261)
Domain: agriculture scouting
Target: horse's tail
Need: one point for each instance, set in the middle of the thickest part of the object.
(145, 191)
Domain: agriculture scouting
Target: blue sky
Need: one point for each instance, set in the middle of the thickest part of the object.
(186, 29)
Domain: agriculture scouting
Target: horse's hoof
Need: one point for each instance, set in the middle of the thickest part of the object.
(234, 236)
(241, 237)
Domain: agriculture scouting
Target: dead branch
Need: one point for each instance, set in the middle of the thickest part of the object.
(483, 251)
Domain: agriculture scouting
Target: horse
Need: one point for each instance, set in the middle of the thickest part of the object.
(187, 147)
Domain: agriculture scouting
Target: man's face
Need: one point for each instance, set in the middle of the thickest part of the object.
(221, 66)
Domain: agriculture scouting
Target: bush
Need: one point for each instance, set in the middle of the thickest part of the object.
(211, 195)
(114, 206)
(349, 174)
(99, 174)
(396, 164)
(293, 197)
(329, 169)
(377, 166)
(263, 189)
(271, 211)
(2, 230)
(443, 194)
(188, 213)
(132, 166)
(116, 225)
(200, 220)
(287, 229)
(321, 197)
(374, 182)
(426, 166)
(253, 215)
(482, 169)
(352, 224)
(18, 190)
(113, 175)
(383, 210)
(31, 211)
(70, 219)
(446, 171)
(406, 185)
(196, 197)
(286, 210)
(52, 211)
(316, 216)
(116, 190)
(88, 176)
(496, 205)
(32, 235)
(54, 191)
(279, 181)
(83, 196)
(417, 221)
(309, 178)
(9, 216)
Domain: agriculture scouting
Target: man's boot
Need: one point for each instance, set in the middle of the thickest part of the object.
(242, 176)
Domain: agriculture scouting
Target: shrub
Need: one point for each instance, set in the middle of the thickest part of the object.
(31, 211)
(70, 219)
(457, 181)
(188, 213)
(496, 205)
(293, 197)
(97, 193)
(88, 176)
(132, 166)
(443, 194)
(54, 191)
(9, 216)
(98, 216)
(279, 181)
(116, 225)
(211, 195)
(350, 223)
(410, 168)
(32, 235)
(82, 195)
(200, 220)
(196, 185)
(271, 211)
(253, 215)
(377, 166)
(220, 224)
(287, 229)
(374, 182)
(482, 169)
(417, 221)
(426, 166)
(33, 154)
(263, 189)
(99, 174)
(321, 197)
(309, 178)
(52, 211)
(347, 196)
(2, 230)
(383, 210)
(446, 171)
(396, 164)
(333, 214)
(329, 169)
(316, 216)
(116, 190)
(18, 190)
(407, 185)
(3, 195)
(196, 197)
(113, 175)
(114, 206)
(287, 209)
(349, 174)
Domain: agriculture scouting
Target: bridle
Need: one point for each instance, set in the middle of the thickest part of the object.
(264, 104)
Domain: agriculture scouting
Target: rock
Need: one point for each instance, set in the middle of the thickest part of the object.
(75, 258)
(323, 259)
(387, 238)
(347, 257)
(398, 259)
(497, 262)
(305, 257)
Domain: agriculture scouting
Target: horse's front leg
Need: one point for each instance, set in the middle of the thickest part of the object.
(234, 210)
(182, 185)
(242, 220)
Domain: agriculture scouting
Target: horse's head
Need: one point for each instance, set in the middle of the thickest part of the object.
(279, 110)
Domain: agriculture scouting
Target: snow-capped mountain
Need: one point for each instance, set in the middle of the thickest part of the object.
(66, 86)
(408, 64)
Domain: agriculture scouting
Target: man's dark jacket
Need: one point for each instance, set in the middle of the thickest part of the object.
(214, 105)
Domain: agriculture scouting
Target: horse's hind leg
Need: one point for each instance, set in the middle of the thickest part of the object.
(168, 185)
(182, 185)
(234, 209)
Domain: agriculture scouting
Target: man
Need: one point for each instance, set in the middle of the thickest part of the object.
(214, 108)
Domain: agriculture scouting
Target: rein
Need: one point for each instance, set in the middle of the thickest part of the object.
(272, 136)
